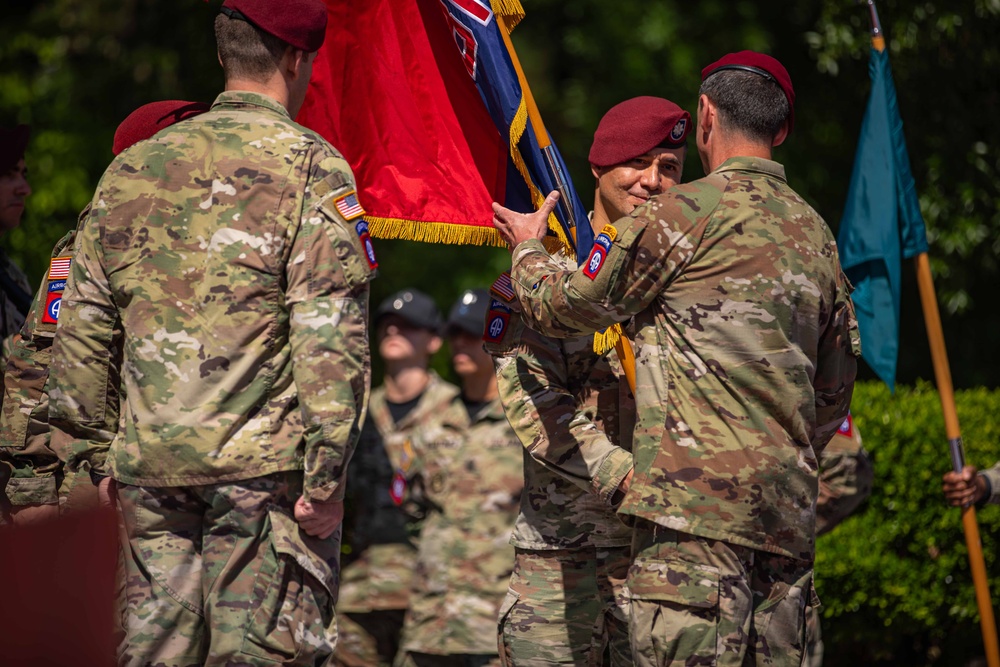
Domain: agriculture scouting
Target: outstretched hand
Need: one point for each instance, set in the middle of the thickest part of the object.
(516, 227)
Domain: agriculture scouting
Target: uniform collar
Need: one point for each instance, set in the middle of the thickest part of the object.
(753, 164)
(244, 98)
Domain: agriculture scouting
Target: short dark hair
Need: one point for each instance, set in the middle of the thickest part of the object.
(748, 103)
(246, 51)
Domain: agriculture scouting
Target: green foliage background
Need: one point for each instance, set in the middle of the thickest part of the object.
(894, 578)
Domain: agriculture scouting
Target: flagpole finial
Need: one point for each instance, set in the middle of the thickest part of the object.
(878, 39)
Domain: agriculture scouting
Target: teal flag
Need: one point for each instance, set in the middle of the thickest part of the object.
(882, 224)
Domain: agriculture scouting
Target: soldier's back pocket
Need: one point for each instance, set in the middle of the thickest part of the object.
(674, 611)
(292, 620)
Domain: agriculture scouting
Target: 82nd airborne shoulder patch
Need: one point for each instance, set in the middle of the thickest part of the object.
(366, 242)
(58, 273)
(497, 320)
(602, 245)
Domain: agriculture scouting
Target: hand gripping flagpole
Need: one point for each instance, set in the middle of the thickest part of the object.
(623, 346)
(942, 374)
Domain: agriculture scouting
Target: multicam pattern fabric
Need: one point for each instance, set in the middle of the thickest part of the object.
(465, 558)
(243, 297)
(845, 478)
(11, 318)
(993, 475)
(567, 607)
(277, 603)
(746, 346)
(574, 419)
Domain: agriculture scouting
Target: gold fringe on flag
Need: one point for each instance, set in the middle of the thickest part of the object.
(510, 10)
(433, 232)
(606, 340)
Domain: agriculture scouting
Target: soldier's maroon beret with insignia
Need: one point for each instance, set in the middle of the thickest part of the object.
(633, 127)
(758, 63)
(301, 23)
(13, 143)
(149, 119)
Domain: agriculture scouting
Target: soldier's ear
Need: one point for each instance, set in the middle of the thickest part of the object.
(780, 137)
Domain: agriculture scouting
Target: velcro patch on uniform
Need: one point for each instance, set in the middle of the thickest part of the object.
(349, 206)
(503, 287)
(56, 286)
(496, 326)
(847, 428)
(366, 242)
(610, 232)
(602, 244)
(53, 303)
(59, 268)
(500, 306)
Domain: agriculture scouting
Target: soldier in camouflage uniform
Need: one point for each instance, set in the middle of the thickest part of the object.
(845, 481)
(386, 502)
(746, 347)
(566, 604)
(972, 487)
(231, 249)
(15, 289)
(24, 430)
(474, 487)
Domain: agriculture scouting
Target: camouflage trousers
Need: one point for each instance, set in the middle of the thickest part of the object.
(697, 601)
(814, 640)
(369, 639)
(566, 607)
(221, 575)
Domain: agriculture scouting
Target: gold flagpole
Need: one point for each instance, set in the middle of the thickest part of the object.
(942, 374)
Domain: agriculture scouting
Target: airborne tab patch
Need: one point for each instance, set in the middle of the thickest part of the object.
(366, 242)
(349, 206)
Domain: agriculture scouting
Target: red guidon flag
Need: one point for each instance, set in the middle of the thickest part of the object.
(390, 90)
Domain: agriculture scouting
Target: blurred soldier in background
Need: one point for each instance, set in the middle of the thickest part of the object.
(386, 502)
(24, 429)
(15, 289)
(231, 251)
(574, 418)
(474, 487)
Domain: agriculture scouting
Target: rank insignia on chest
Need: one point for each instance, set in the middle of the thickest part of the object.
(496, 325)
(349, 206)
(366, 242)
(398, 488)
(602, 244)
(847, 428)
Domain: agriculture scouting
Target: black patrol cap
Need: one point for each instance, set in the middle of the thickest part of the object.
(468, 314)
(413, 306)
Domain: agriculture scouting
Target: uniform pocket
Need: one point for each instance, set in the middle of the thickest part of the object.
(292, 618)
(503, 628)
(674, 611)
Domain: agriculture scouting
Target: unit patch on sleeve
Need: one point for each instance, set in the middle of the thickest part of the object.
(602, 244)
(366, 242)
(497, 320)
(58, 273)
(847, 428)
(349, 206)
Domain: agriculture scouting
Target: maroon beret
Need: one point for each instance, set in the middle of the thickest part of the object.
(13, 143)
(149, 119)
(301, 23)
(633, 127)
(758, 63)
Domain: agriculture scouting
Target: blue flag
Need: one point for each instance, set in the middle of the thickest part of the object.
(532, 172)
(882, 224)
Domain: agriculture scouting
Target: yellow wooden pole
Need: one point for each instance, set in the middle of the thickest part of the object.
(626, 355)
(942, 373)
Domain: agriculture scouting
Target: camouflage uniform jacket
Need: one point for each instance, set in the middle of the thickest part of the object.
(845, 477)
(385, 495)
(993, 476)
(11, 316)
(574, 419)
(746, 347)
(465, 558)
(231, 247)
(24, 426)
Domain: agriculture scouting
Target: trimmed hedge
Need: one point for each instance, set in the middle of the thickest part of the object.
(894, 578)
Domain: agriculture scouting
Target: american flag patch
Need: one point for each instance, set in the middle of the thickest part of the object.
(503, 287)
(59, 268)
(349, 206)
